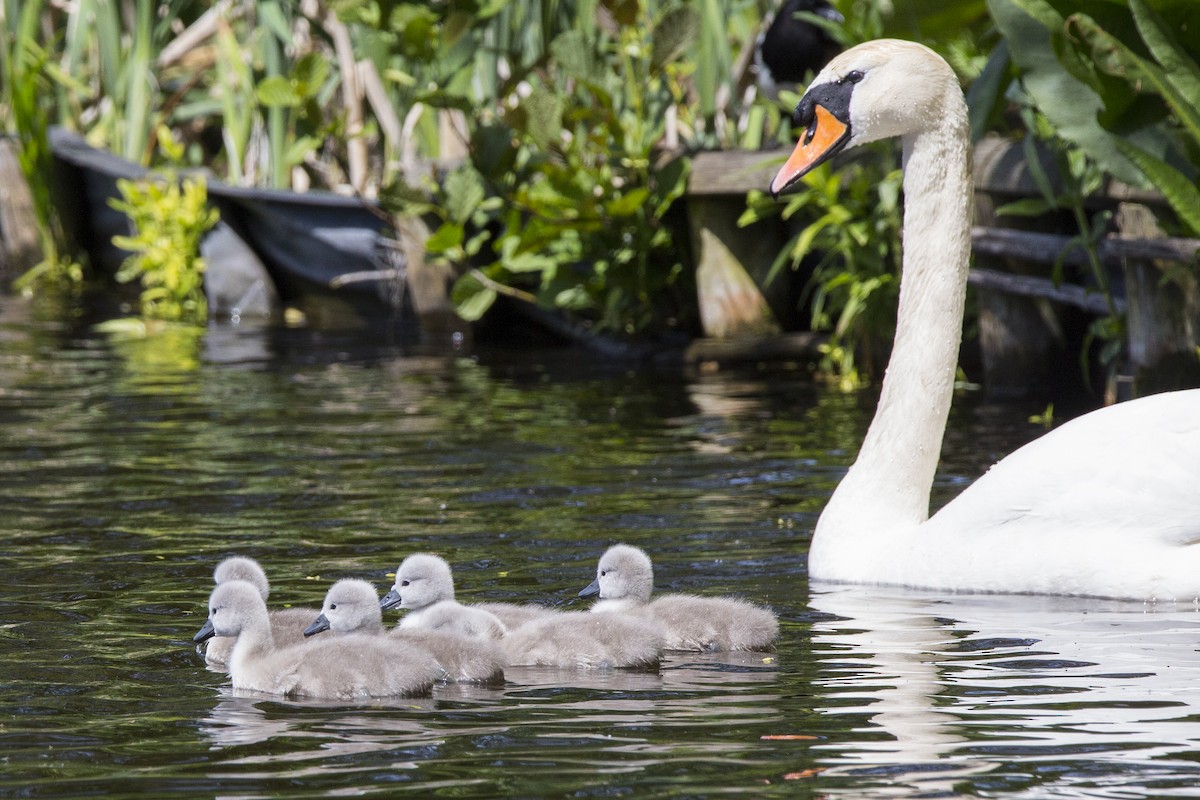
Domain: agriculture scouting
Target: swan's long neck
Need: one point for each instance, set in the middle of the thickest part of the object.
(888, 486)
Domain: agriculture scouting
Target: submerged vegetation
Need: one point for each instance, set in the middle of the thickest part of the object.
(545, 143)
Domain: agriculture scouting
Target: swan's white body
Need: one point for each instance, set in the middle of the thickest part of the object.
(1108, 505)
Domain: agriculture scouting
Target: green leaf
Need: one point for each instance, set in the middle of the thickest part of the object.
(1116, 58)
(574, 56)
(1028, 207)
(986, 92)
(628, 203)
(276, 91)
(464, 192)
(1178, 189)
(543, 116)
(1069, 103)
(528, 262)
(1180, 68)
(310, 74)
(471, 297)
(447, 236)
(675, 34)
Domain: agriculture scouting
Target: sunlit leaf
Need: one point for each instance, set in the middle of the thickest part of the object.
(471, 297)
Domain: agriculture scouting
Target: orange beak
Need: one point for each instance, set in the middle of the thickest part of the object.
(824, 137)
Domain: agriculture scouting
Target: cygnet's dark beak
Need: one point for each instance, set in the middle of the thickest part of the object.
(321, 623)
(390, 600)
(591, 589)
(205, 633)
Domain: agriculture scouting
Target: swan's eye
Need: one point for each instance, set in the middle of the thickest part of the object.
(853, 76)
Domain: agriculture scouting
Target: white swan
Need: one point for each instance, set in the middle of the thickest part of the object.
(352, 607)
(346, 668)
(287, 624)
(1108, 505)
(625, 582)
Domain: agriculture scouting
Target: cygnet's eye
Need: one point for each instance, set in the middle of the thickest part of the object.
(603, 572)
(333, 606)
(404, 583)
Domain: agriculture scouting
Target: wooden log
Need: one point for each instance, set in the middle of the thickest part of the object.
(1050, 248)
(1033, 286)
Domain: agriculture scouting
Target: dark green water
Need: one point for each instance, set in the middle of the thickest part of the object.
(128, 471)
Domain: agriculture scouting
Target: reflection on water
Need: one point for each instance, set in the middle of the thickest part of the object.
(127, 473)
(1097, 696)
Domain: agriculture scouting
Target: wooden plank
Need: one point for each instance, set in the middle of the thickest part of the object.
(733, 172)
(1032, 286)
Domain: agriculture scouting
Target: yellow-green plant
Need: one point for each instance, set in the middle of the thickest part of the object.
(169, 217)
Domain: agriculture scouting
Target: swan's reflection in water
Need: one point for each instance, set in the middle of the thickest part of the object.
(958, 686)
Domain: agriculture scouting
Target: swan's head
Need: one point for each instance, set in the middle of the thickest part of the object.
(876, 90)
(233, 606)
(421, 580)
(350, 606)
(624, 573)
(241, 568)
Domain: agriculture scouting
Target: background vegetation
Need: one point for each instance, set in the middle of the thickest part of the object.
(545, 141)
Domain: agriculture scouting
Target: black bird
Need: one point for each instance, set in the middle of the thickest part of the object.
(792, 47)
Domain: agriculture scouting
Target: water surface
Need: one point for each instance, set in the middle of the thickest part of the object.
(129, 468)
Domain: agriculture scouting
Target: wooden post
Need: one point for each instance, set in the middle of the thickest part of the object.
(1021, 338)
(732, 263)
(1163, 321)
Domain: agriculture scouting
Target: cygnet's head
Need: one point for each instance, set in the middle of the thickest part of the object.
(421, 580)
(351, 606)
(241, 568)
(233, 606)
(624, 573)
(876, 90)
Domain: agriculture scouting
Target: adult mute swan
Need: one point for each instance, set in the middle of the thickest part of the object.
(1108, 505)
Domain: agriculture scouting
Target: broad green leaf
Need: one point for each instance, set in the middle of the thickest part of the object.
(310, 74)
(543, 116)
(1070, 104)
(447, 236)
(573, 55)
(1115, 57)
(471, 297)
(276, 91)
(464, 192)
